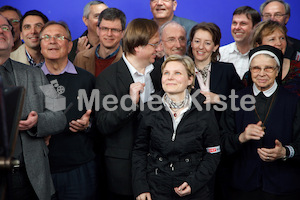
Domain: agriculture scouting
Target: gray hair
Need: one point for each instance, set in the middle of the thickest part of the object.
(161, 29)
(286, 6)
(86, 9)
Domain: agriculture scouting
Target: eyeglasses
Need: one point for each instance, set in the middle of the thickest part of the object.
(165, 1)
(276, 16)
(113, 30)
(172, 41)
(14, 21)
(47, 38)
(5, 27)
(267, 69)
(154, 45)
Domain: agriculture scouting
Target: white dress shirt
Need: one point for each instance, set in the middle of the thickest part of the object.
(230, 53)
(142, 78)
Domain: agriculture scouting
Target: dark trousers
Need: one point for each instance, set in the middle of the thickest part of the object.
(19, 186)
(114, 196)
(261, 195)
(77, 184)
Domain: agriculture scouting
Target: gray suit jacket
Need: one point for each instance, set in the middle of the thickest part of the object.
(35, 151)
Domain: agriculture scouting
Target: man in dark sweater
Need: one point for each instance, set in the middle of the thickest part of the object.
(71, 151)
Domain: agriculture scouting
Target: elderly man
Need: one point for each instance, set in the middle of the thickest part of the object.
(263, 142)
(89, 38)
(280, 11)
(173, 40)
(131, 81)
(110, 30)
(29, 53)
(14, 16)
(71, 156)
(31, 179)
(243, 21)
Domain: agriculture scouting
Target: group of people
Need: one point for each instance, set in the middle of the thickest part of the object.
(157, 129)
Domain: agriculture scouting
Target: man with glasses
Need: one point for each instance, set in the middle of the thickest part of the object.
(173, 39)
(29, 53)
(31, 179)
(89, 38)
(110, 30)
(130, 82)
(71, 153)
(280, 11)
(14, 16)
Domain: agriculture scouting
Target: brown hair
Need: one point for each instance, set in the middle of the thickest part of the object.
(263, 29)
(138, 33)
(215, 32)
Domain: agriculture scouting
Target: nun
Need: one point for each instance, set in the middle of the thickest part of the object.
(262, 145)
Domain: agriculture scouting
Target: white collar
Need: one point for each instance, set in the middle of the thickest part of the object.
(268, 92)
(236, 50)
(133, 70)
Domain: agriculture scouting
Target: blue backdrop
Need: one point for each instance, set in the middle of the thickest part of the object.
(217, 11)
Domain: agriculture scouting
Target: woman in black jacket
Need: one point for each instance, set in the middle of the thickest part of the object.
(215, 79)
(177, 144)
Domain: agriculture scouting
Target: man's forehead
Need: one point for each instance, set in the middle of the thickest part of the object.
(3, 20)
(179, 30)
(273, 5)
(109, 22)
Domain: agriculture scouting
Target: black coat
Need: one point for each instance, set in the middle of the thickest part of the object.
(154, 151)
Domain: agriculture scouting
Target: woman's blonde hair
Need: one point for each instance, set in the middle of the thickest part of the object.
(187, 62)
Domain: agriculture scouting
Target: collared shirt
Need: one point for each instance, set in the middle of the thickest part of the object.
(203, 86)
(109, 56)
(31, 61)
(142, 78)
(231, 54)
(69, 69)
(267, 92)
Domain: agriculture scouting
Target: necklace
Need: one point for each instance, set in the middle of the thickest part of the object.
(263, 122)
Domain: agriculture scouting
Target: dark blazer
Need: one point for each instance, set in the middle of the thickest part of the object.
(223, 78)
(35, 151)
(119, 126)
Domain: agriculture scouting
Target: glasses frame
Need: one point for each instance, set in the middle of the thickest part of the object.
(276, 16)
(154, 45)
(268, 69)
(113, 30)
(47, 38)
(6, 25)
(172, 40)
(165, 1)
